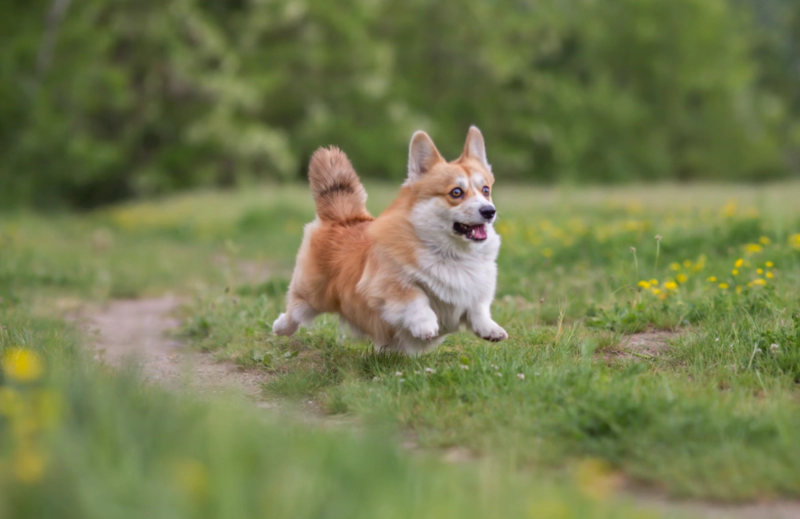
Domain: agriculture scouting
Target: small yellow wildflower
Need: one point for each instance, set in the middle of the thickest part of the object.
(700, 264)
(191, 477)
(687, 263)
(735, 272)
(671, 285)
(22, 365)
(655, 291)
(753, 248)
(758, 282)
(644, 284)
(682, 278)
(547, 253)
(502, 229)
(769, 264)
(739, 263)
(674, 266)
(724, 286)
(759, 271)
(10, 402)
(654, 281)
(596, 479)
(764, 240)
(712, 279)
(769, 275)
(29, 465)
(49, 406)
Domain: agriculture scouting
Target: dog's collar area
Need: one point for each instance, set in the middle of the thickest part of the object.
(471, 232)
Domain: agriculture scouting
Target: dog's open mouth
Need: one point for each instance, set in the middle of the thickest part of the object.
(471, 232)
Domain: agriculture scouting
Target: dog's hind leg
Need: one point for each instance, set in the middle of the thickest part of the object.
(297, 312)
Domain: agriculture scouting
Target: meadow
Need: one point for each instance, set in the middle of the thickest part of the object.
(654, 349)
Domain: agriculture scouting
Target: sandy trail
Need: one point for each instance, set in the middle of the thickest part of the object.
(137, 331)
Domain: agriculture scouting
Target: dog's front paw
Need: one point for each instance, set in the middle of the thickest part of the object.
(493, 332)
(424, 330)
(284, 326)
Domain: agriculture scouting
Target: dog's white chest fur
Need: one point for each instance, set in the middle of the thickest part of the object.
(457, 276)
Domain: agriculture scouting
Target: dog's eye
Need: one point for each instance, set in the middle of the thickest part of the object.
(457, 192)
(486, 190)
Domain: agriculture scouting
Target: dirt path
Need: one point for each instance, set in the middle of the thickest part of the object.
(136, 331)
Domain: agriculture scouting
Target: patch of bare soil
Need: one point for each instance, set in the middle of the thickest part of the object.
(644, 345)
(136, 331)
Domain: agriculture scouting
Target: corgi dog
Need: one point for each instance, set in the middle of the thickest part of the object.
(416, 273)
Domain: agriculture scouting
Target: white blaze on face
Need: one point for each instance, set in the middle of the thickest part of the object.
(478, 182)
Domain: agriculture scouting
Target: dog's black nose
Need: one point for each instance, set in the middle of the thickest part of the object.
(488, 212)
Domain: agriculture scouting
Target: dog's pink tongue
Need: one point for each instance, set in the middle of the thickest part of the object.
(479, 232)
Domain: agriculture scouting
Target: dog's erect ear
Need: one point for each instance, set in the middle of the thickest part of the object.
(422, 155)
(475, 148)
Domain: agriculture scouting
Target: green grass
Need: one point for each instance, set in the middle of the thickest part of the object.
(712, 414)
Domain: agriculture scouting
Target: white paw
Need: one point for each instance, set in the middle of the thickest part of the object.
(283, 326)
(424, 330)
(492, 332)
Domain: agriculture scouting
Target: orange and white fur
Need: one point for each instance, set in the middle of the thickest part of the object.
(416, 273)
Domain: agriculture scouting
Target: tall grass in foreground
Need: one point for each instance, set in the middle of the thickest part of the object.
(77, 441)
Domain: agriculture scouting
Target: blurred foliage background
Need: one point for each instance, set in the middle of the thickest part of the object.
(103, 100)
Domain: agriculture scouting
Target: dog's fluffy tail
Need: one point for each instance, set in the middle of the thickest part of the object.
(338, 193)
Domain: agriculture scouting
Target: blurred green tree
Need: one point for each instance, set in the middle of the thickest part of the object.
(104, 100)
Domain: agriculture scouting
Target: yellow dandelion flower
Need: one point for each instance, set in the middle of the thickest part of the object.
(49, 408)
(712, 279)
(547, 253)
(764, 240)
(671, 285)
(29, 465)
(687, 263)
(654, 281)
(682, 278)
(644, 284)
(502, 229)
(22, 365)
(769, 264)
(595, 479)
(759, 271)
(724, 286)
(655, 291)
(753, 248)
(759, 282)
(770, 275)
(674, 266)
(191, 477)
(735, 272)
(739, 263)
(10, 402)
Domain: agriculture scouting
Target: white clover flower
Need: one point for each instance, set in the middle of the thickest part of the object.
(774, 348)
(464, 367)
(430, 371)
(521, 376)
(398, 374)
